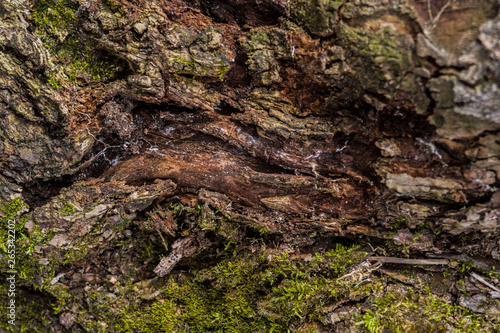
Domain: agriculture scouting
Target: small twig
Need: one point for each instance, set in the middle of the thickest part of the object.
(464, 259)
(403, 261)
(429, 10)
(441, 11)
(103, 151)
(363, 281)
(89, 161)
(374, 250)
(483, 281)
(434, 19)
(370, 269)
(163, 240)
(93, 136)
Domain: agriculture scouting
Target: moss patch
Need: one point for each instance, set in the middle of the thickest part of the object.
(25, 242)
(67, 209)
(57, 24)
(419, 312)
(318, 16)
(244, 293)
(387, 55)
(29, 304)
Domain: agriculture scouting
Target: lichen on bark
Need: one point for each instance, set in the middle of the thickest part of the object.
(207, 166)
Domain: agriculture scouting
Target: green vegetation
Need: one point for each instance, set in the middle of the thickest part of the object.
(190, 66)
(258, 40)
(244, 293)
(28, 305)
(25, 242)
(222, 69)
(317, 16)
(54, 82)
(9, 216)
(56, 23)
(28, 309)
(398, 224)
(239, 286)
(186, 218)
(67, 209)
(54, 18)
(413, 312)
(384, 52)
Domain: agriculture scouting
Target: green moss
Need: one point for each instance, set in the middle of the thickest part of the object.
(191, 66)
(386, 54)
(222, 69)
(74, 254)
(21, 250)
(85, 62)
(247, 293)
(398, 224)
(28, 309)
(57, 24)
(204, 217)
(53, 17)
(68, 209)
(25, 242)
(54, 82)
(258, 40)
(149, 249)
(318, 16)
(260, 36)
(418, 312)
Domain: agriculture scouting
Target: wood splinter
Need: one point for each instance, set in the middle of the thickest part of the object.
(404, 261)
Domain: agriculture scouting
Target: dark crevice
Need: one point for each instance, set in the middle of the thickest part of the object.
(105, 152)
(237, 75)
(173, 119)
(143, 109)
(248, 13)
(398, 119)
(21, 58)
(225, 109)
(38, 193)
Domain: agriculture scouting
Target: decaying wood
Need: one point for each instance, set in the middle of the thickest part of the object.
(294, 120)
(406, 261)
(181, 247)
(483, 281)
(349, 126)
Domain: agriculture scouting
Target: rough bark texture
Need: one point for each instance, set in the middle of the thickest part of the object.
(197, 123)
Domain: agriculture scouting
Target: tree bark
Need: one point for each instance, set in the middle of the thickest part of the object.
(353, 119)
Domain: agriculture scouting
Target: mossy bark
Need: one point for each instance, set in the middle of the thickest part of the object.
(200, 130)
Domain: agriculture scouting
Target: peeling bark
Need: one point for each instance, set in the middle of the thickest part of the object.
(343, 118)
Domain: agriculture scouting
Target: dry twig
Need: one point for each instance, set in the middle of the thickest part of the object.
(403, 261)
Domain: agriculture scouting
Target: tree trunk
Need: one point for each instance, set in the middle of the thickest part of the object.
(190, 125)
